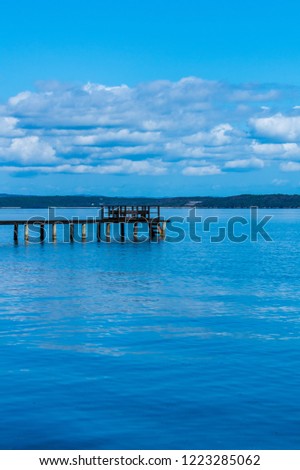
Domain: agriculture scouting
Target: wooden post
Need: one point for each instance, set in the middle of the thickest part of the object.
(107, 232)
(102, 212)
(154, 231)
(163, 229)
(54, 232)
(150, 230)
(71, 232)
(122, 231)
(16, 227)
(98, 231)
(158, 212)
(42, 232)
(135, 231)
(83, 232)
(26, 232)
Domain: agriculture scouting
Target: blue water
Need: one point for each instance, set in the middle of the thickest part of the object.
(151, 345)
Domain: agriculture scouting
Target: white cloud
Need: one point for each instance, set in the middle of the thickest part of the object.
(254, 94)
(121, 166)
(201, 170)
(28, 150)
(100, 137)
(8, 127)
(96, 88)
(177, 149)
(245, 164)
(15, 100)
(218, 135)
(283, 150)
(279, 182)
(278, 126)
(151, 128)
(290, 166)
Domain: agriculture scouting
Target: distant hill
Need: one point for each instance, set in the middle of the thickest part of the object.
(240, 201)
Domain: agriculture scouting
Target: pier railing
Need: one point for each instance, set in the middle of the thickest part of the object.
(145, 213)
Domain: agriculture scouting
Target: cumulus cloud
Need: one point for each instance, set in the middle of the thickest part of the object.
(281, 150)
(244, 164)
(201, 170)
(8, 127)
(278, 127)
(192, 127)
(255, 94)
(118, 167)
(116, 137)
(290, 166)
(218, 135)
(15, 100)
(28, 150)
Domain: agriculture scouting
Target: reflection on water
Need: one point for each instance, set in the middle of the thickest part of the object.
(151, 345)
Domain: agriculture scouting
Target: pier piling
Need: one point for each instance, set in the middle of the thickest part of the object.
(26, 232)
(54, 232)
(122, 231)
(163, 229)
(135, 231)
(42, 232)
(16, 235)
(98, 231)
(107, 232)
(83, 232)
(71, 232)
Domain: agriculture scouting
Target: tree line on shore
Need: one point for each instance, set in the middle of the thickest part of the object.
(227, 202)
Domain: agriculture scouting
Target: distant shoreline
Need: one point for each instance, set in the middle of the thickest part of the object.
(242, 201)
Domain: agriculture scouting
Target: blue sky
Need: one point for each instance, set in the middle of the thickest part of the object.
(149, 98)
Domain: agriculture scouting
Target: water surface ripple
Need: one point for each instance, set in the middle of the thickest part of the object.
(152, 345)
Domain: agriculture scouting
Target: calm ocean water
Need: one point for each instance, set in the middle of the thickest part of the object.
(151, 345)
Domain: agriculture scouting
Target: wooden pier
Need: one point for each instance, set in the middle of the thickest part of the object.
(122, 215)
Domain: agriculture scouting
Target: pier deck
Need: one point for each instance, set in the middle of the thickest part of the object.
(107, 215)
